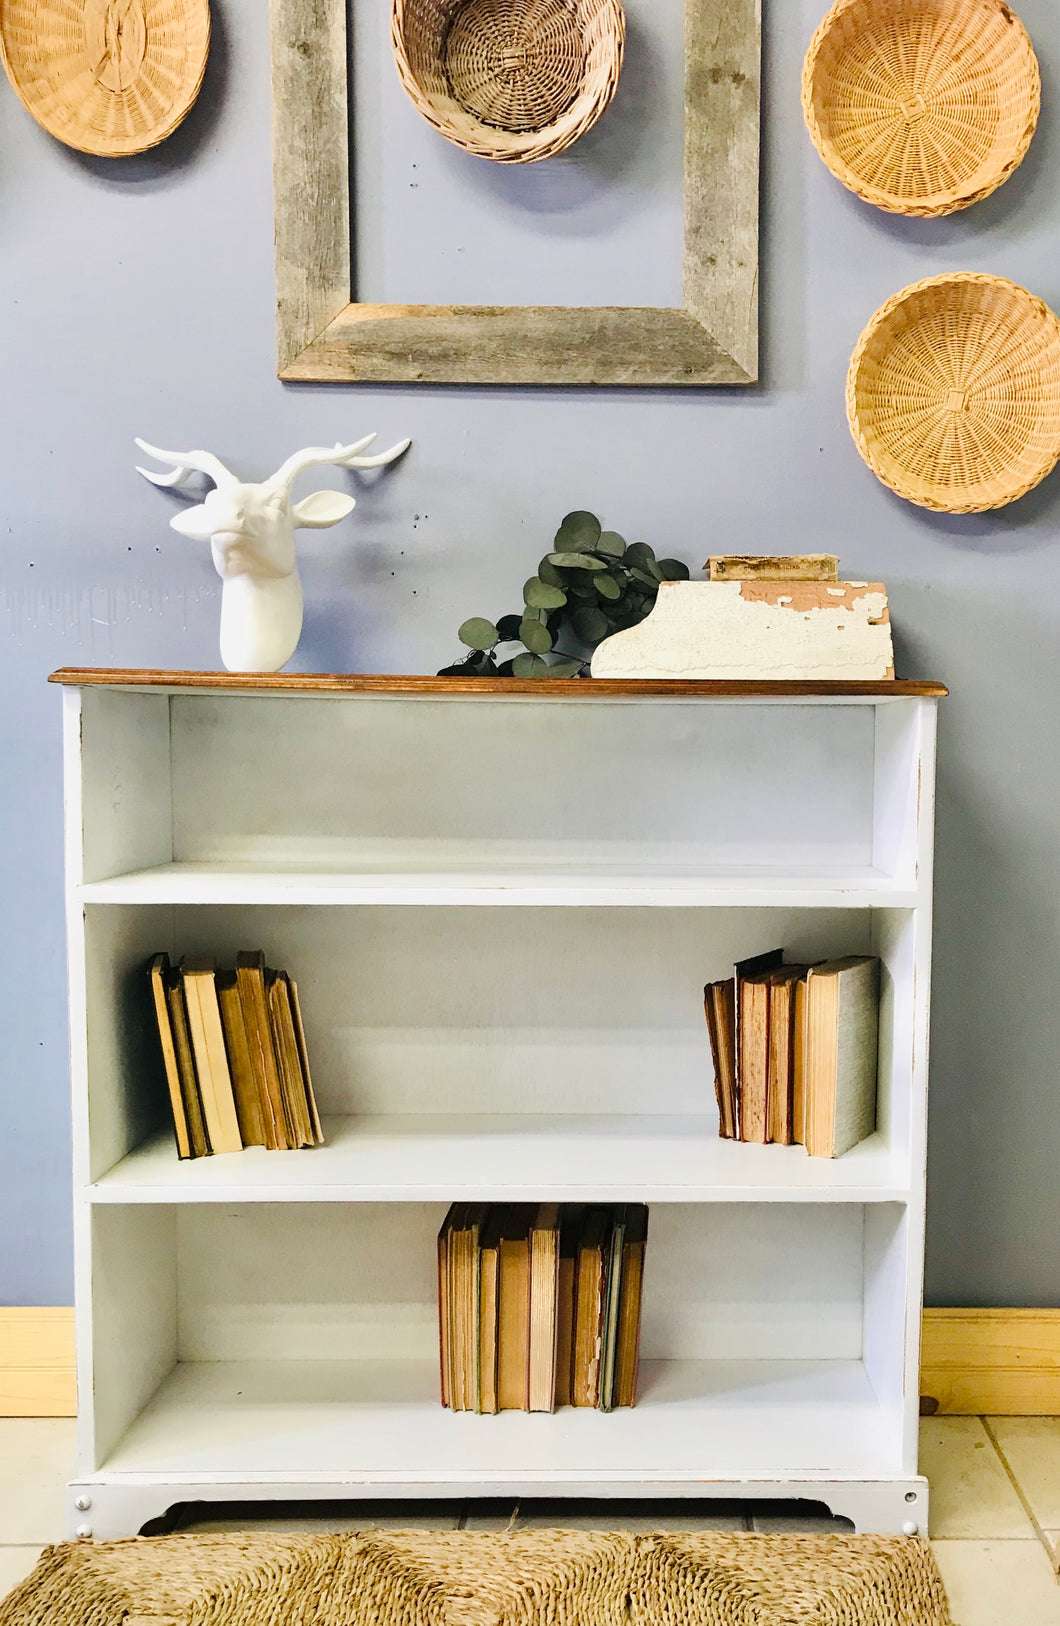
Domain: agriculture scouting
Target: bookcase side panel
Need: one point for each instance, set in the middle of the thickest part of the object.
(134, 1318)
(886, 1260)
(893, 938)
(127, 1099)
(126, 794)
(896, 788)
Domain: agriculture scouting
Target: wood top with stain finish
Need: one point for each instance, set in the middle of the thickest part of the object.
(555, 688)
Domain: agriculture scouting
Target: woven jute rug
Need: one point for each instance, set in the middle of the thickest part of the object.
(532, 1578)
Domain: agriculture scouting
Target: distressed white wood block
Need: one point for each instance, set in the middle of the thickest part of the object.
(756, 629)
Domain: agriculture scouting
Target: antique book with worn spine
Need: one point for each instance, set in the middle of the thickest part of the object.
(842, 1021)
(159, 972)
(539, 1305)
(782, 991)
(800, 1059)
(211, 1057)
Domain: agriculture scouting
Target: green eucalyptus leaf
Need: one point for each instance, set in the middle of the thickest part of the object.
(529, 666)
(590, 625)
(535, 636)
(582, 585)
(542, 595)
(608, 586)
(547, 571)
(508, 628)
(576, 561)
(638, 551)
(611, 544)
(478, 633)
(578, 533)
(565, 669)
(673, 570)
(643, 577)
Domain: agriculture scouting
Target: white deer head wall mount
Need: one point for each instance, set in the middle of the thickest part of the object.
(250, 528)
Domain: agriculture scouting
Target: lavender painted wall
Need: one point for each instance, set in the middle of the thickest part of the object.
(137, 299)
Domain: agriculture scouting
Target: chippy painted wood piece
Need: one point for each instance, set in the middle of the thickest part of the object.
(773, 567)
(324, 338)
(754, 629)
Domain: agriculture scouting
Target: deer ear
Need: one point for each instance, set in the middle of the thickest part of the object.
(193, 523)
(321, 509)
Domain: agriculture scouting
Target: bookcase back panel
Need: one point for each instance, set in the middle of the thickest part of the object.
(418, 1010)
(405, 784)
(327, 1282)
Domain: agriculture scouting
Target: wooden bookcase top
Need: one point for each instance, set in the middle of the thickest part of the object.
(557, 688)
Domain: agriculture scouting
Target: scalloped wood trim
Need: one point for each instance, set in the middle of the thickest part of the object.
(37, 1363)
(1004, 1363)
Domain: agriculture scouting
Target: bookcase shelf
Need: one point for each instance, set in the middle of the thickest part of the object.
(284, 1421)
(263, 1324)
(564, 881)
(511, 1158)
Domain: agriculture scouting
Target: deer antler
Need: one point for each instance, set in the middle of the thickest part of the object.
(344, 457)
(185, 464)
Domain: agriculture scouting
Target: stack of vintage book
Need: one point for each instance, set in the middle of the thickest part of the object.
(539, 1305)
(795, 1051)
(235, 1056)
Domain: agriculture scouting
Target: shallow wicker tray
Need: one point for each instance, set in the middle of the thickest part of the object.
(510, 80)
(953, 394)
(108, 77)
(921, 107)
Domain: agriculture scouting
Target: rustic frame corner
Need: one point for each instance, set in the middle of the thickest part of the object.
(324, 338)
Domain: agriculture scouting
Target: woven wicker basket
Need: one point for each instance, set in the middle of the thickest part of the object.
(921, 107)
(953, 394)
(108, 77)
(510, 80)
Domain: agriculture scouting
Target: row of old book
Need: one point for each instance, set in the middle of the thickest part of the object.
(235, 1056)
(539, 1305)
(794, 1050)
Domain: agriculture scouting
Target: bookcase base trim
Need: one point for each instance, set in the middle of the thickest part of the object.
(108, 1509)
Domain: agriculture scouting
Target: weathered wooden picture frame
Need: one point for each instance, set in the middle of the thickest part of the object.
(324, 338)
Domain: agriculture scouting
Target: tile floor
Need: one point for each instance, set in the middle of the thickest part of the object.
(995, 1524)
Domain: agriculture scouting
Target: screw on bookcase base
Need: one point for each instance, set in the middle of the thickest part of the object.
(910, 1528)
(83, 1503)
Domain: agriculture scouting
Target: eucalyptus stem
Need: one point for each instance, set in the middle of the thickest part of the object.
(592, 584)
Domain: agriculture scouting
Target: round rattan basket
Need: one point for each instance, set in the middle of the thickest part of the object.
(510, 80)
(953, 394)
(110, 77)
(921, 107)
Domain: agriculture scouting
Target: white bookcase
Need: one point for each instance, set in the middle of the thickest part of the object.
(501, 902)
